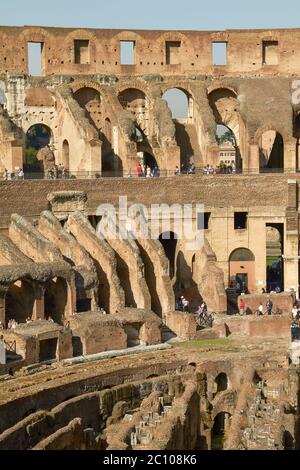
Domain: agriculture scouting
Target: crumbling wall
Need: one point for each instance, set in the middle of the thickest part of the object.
(31, 242)
(100, 251)
(210, 279)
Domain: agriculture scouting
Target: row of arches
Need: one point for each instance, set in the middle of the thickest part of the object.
(241, 262)
(230, 130)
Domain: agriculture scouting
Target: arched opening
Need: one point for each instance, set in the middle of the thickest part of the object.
(271, 152)
(133, 335)
(90, 100)
(185, 284)
(124, 276)
(218, 433)
(220, 383)
(257, 378)
(38, 156)
(134, 100)
(228, 149)
(56, 299)
(169, 242)
(66, 155)
(181, 106)
(178, 102)
(151, 280)
(274, 260)
(19, 301)
(226, 109)
(148, 160)
(242, 270)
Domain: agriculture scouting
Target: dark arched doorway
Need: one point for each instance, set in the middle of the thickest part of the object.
(56, 299)
(271, 152)
(169, 242)
(66, 155)
(220, 383)
(242, 270)
(218, 433)
(19, 301)
(38, 137)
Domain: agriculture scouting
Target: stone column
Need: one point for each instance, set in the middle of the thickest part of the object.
(291, 255)
(71, 300)
(38, 310)
(290, 156)
(253, 162)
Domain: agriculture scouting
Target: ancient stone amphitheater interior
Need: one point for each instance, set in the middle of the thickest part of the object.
(96, 351)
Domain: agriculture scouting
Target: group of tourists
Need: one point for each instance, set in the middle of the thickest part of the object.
(12, 324)
(182, 304)
(189, 169)
(223, 168)
(57, 172)
(144, 171)
(19, 174)
(260, 311)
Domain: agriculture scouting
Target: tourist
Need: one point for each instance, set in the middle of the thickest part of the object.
(177, 171)
(1, 325)
(21, 174)
(155, 171)
(5, 174)
(242, 307)
(260, 309)
(192, 169)
(50, 320)
(143, 170)
(148, 172)
(139, 170)
(294, 312)
(185, 304)
(263, 291)
(269, 305)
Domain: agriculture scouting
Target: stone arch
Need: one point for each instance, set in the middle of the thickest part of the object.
(271, 150)
(19, 301)
(180, 101)
(136, 101)
(169, 243)
(95, 47)
(220, 86)
(174, 36)
(221, 425)
(221, 383)
(242, 269)
(38, 136)
(226, 110)
(89, 98)
(56, 299)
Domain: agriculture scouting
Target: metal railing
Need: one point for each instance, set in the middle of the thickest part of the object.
(10, 346)
(79, 175)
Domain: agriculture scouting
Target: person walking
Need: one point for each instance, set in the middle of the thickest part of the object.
(242, 307)
(269, 306)
(139, 170)
(260, 309)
